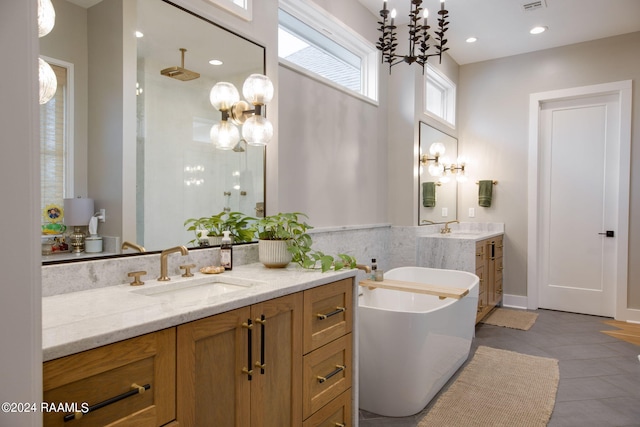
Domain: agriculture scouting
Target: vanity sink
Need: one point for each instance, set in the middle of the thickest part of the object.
(197, 289)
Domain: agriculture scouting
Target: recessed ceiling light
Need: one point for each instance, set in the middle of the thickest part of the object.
(139, 34)
(471, 40)
(215, 62)
(538, 30)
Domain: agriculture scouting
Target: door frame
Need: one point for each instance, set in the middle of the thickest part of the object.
(623, 89)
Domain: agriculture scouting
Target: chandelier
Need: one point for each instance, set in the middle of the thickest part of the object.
(418, 35)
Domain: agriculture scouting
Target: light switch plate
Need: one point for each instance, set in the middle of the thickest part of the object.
(445, 212)
(472, 212)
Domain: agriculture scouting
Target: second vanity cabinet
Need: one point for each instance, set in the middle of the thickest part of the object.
(489, 269)
(285, 361)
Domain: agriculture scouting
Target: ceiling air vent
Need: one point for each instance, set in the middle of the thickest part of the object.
(534, 5)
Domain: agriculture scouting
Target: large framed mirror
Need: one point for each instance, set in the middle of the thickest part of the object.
(135, 140)
(438, 190)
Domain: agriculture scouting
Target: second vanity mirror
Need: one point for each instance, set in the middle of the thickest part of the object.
(437, 189)
(140, 144)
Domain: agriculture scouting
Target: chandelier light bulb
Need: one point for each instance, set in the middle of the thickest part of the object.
(436, 169)
(437, 149)
(224, 135)
(48, 81)
(223, 95)
(46, 17)
(258, 89)
(257, 131)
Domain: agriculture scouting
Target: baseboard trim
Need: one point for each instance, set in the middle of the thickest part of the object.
(514, 301)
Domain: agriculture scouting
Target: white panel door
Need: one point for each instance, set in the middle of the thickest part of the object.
(579, 151)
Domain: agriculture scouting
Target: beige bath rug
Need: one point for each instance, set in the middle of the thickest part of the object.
(498, 388)
(515, 319)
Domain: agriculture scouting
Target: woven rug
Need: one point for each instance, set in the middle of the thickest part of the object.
(498, 388)
(515, 319)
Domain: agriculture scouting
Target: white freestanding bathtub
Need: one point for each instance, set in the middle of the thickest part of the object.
(410, 344)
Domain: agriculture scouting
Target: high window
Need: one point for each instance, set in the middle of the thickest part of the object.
(315, 43)
(440, 96)
(242, 8)
(55, 145)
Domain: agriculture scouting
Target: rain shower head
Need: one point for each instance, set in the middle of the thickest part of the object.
(180, 73)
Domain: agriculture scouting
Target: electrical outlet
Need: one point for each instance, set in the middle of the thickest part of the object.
(472, 212)
(103, 215)
(445, 212)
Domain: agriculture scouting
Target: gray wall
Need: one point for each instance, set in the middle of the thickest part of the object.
(332, 145)
(493, 113)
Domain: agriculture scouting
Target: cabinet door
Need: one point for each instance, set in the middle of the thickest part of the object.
(276, 387)
(212, 389)
(104, 378)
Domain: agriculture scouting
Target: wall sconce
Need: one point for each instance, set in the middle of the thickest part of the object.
(442, 167)
(256, 129)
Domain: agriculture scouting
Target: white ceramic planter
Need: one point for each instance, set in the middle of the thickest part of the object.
(273, 253)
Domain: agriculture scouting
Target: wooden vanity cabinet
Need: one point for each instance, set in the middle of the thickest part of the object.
(282, 362)
(96, 376)
(489, 269)
(328, 354)
(242, 368)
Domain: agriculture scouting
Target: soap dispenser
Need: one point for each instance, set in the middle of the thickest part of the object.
(226, 252)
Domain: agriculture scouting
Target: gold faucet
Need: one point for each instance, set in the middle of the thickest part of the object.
(426, 221)
(366, 268)
(135, 246)
(446, 228)
(163, 261)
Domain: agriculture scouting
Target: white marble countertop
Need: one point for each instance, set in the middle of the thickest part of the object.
(79, 321)
(469, 231)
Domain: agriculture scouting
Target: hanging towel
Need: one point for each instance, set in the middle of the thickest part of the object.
(428, 194)
(485, 193)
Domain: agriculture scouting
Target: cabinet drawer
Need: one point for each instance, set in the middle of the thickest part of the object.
(328, 313)
(94, 377)
(326, 374)
(335, 413)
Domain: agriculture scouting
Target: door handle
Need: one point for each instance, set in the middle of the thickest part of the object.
(608, 233)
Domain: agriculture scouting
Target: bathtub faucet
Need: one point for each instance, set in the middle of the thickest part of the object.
(366, 268)
(446, 228)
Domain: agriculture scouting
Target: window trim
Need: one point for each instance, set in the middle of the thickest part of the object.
(440, 79)
(320, 20)
(230, 6)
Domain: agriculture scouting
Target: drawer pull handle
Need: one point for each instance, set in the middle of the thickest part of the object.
(135, 389)
(261, 364)
(339, 368)
(249, 326)
(333, 313)
(339, 425)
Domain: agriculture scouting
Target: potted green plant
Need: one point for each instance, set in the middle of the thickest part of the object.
(214, 226)
(283, 238)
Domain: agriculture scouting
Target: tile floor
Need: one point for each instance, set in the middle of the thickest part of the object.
(599, 375)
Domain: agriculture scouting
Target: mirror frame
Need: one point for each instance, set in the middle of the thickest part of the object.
(423, 148)
(91, 257)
